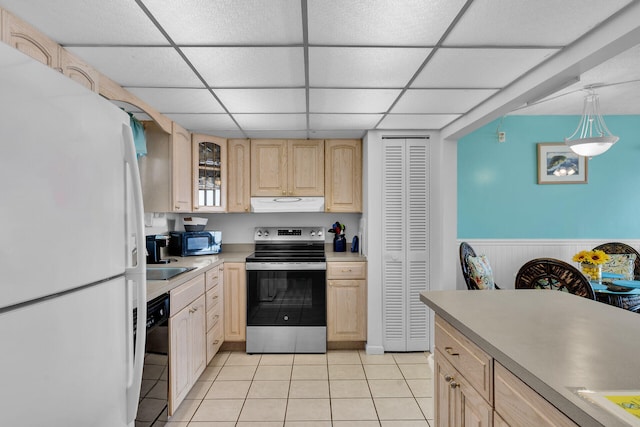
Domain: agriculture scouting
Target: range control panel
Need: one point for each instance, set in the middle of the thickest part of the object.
(282, 234)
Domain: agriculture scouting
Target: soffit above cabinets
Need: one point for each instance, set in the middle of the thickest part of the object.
(338, 68)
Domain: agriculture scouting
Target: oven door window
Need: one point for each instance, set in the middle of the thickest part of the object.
(286, 298)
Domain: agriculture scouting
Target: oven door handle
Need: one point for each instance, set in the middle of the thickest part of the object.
(286, 266)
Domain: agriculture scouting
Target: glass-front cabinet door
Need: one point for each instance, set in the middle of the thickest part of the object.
(209, 173)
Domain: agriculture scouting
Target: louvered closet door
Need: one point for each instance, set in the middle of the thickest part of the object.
(405, 232)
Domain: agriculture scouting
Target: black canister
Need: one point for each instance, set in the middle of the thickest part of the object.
(339, 243)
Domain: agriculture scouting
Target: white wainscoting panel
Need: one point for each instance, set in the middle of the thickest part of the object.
(506, 256)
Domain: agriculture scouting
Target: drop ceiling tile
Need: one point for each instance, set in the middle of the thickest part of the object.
(204, 121)
(363, 67)
(277, 134)
(221, 133)
(351, 100)
(263, 100)
(140, 66)
(534, 23)
(174, 100)
(272, 121)
(440, 100)
(381, 22)
(337, 134)
(249, 66)
(478, 68)
(229, 21)
(88, 22)
(343, 121)
(417, 121)
(621, 68)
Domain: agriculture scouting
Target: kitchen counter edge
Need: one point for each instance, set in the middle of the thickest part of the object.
(482, 317)
(202, 263)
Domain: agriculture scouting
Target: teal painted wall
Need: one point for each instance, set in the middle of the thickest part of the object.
(498, 194)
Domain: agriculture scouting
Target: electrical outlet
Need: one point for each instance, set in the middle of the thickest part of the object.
(502, 136)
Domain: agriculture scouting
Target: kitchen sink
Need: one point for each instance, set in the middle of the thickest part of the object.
(166, 273)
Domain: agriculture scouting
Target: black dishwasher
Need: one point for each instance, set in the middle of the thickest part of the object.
(157, 314)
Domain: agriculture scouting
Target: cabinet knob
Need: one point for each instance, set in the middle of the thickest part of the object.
(214, 297)
(448, 378)
(454, 384)
(216, 342)
(284, 193)
(450, 351)
(196, 207)
(246, 209)
(193, 309)
(177, 207)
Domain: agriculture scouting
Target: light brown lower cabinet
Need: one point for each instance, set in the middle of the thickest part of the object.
(235, 302)
(473, 389)
(187, 339)
(498, 421)
(457, 402)
(214, 302)
(519, 405)
(346, 301)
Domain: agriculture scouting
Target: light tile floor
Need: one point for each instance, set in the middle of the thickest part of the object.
(340, 388)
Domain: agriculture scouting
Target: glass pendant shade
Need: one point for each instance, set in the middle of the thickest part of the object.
(592, 137)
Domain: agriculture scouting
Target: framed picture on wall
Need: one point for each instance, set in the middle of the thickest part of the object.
(557, 164)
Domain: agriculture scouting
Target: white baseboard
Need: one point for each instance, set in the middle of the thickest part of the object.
(374, 349)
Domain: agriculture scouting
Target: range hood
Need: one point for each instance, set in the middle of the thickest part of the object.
(287, 204)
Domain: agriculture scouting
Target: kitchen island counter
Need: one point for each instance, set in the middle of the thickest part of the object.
(556, 343)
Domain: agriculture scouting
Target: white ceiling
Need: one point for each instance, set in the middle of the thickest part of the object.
(333, 68)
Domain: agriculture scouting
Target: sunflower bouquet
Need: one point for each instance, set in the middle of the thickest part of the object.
(591, 262)
(596, 257)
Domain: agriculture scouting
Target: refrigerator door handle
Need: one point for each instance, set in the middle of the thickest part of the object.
(137, 274)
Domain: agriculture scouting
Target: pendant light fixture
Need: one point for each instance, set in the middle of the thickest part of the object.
(592, 137)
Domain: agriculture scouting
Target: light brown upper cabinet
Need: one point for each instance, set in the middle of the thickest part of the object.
(343, 175)
(165, 171)
(28, 40)
(239, 176)
(209, 173)
(78, 71)
(33, 43)
(287, 167)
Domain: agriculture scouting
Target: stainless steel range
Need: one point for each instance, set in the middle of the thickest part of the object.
(286, 291)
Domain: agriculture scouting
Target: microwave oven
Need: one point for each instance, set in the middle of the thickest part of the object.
(189, 243)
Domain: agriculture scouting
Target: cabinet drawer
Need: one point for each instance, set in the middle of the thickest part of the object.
(184, 294)
(346, 270)
(214, 341)
(519, 405)
(473, 363)
(213, 317)
(212, 277)
(213, 297)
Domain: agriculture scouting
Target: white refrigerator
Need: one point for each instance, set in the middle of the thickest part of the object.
(72, 263)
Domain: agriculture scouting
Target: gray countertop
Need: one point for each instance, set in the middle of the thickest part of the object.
(555, 342)
(202, 263)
